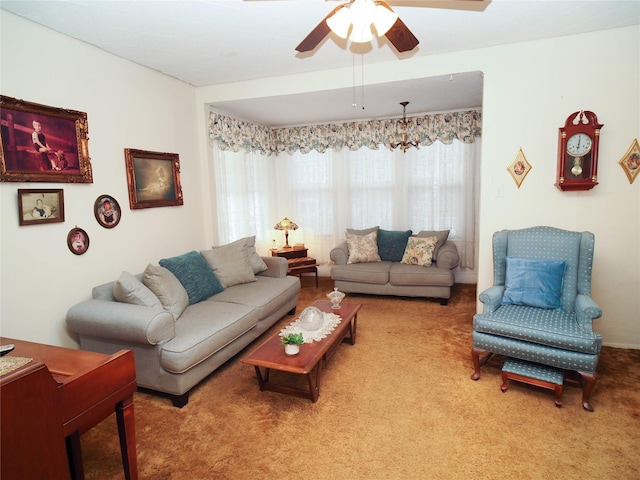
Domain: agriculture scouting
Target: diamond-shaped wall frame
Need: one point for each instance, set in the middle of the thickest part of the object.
(630, 162)
(519, 168)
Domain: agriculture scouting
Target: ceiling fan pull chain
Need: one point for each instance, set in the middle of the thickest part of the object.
(362, 92)
(353, 66)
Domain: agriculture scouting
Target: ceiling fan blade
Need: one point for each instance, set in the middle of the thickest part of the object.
(316, 35)
(401, 37)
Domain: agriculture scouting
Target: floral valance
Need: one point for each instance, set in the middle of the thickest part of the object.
(236, 135)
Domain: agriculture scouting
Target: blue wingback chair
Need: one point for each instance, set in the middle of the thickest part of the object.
(560, 337)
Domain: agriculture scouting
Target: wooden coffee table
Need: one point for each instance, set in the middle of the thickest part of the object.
(270, 354)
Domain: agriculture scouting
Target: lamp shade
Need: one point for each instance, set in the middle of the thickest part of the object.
(384, 19)
(340, 22)
(286, 225)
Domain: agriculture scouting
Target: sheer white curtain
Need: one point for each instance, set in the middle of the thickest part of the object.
(433, 188)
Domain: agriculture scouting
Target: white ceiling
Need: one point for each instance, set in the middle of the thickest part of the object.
(209, 42)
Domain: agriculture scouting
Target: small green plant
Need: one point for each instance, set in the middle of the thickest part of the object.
(292, 339)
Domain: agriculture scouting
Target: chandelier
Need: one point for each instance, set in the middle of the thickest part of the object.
(405, 144)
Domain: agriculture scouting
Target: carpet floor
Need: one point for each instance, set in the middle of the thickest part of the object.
(399, 404)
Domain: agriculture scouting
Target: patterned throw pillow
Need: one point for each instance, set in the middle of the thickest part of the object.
(363, 248)
(419, 251)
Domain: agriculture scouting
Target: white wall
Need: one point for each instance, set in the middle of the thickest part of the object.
(128, 106)
(529, 91)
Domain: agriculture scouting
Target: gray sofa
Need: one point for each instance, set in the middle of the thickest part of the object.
(173, 353)
(388, 276)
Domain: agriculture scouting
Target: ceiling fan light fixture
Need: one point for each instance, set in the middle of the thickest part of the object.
(340, 22)
(362, 13)
(384, 19)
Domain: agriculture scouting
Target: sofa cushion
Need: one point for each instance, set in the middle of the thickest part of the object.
(257, 264)
(403, 275)
(535, 283)
(362, 248)
(392, 244)
(373, 272)
(194, 274)
(554, 328)
(266, 294)
(419, 251)
(128, 289)
(230, 263)
(167, 288)
(442, 235)
(364, 231)
(202, 330)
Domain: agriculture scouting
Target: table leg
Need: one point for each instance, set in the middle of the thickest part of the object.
(127, 433)
(74, 454)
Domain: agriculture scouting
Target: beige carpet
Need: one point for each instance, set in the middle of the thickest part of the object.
(397, 405)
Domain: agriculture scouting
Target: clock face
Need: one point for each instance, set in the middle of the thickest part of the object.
(579, 144)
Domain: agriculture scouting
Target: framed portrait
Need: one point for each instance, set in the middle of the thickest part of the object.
(37, 206)
(78, 241)
(107, 211)
(630, 162)
(153, 178)
(43, 144)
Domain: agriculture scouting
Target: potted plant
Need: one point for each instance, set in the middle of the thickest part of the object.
(292, 343)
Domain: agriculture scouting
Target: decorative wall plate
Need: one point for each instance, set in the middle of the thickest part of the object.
(519, 168)
(630, 162)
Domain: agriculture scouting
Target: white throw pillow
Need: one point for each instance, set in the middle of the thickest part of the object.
(363, 248)
(167, 288)
(230, 263)
(128, 289)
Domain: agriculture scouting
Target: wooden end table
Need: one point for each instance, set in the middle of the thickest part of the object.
(270, 354)
(298, 260)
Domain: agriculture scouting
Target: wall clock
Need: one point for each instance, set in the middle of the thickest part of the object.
(578, 144)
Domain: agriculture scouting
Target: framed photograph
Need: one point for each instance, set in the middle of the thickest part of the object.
(519, 168)
(40, 206)
(43, 144)
(78, 241)
(153, 178)
(630, 162)
(107, 211)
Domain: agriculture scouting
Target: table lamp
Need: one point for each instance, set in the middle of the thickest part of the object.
(286, 225)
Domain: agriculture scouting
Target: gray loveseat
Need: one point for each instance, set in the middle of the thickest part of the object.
(387, 274)
(178, 343)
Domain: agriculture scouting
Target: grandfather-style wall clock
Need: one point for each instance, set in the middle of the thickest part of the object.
(578, 152)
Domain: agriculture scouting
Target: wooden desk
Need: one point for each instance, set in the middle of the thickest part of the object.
(89, 387)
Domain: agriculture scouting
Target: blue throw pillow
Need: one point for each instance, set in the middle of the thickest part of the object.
(535, 283)
(195, 275)
(392, 244)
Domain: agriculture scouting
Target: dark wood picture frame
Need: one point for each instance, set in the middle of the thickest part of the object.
(107, 211)
(44, 205)
(28, 127)
(153, 178)
(78, 241)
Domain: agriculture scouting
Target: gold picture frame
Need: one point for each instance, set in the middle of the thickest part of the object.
(519, 168)
(153, 178)
(43, 144)
(630, 162)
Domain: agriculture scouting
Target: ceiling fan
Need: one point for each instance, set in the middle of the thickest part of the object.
(357, 16)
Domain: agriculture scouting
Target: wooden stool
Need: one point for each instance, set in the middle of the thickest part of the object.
(533, 374)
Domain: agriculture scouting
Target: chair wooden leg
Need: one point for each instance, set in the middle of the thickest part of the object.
(475, 357)
(589, 381)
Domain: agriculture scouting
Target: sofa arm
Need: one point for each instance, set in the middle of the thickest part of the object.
(121, 321)
(448, 256)
(340, 254)
(492, 298)
(276, 267)
(586, 310)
